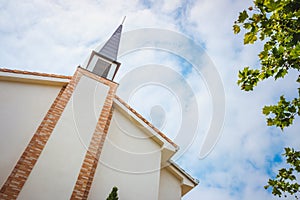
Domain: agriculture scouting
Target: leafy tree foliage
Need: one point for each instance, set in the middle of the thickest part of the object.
(113, 195)
(277, 24)
(285, 180)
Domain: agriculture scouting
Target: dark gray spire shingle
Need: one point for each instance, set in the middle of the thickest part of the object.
(111, 47)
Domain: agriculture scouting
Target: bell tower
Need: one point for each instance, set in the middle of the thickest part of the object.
(104, 62)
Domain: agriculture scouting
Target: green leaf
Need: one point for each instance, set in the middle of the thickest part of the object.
(243, 16)
(281, 73)
(249, 38)
(267, 110)
(272, 5)
(295, 53)
(256, 18)
(236, 29)
(280, 49)
(263, 55)
(247, 25)
(267, 46)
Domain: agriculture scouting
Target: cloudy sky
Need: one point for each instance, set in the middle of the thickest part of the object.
(56, 36)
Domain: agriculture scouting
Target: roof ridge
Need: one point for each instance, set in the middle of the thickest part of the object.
(145, 121)
(16, 71)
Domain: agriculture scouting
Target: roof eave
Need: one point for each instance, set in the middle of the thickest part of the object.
(33, 77)
(187, 181)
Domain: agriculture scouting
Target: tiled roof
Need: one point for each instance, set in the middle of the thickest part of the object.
(146, 121)
(34, 73)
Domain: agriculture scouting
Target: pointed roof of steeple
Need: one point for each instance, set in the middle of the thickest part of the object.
(111, 47)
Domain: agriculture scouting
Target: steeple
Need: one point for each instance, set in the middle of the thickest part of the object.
(104, 62)
(111, 47)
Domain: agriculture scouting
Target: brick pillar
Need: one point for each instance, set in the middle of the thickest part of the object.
(88, 168)
(17, 178)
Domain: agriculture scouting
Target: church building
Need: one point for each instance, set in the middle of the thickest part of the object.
(71, 137)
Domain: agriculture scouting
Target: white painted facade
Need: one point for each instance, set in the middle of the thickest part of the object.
(62, 157)
(24, 104)
(131, 158)
(169, 186)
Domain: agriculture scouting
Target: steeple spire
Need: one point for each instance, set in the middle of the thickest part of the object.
(104, 62)
(111, 47)
(123, 20)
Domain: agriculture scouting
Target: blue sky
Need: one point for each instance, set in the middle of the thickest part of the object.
(56, 36)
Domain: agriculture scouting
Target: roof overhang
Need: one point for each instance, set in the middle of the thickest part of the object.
(33, 77)
(187, 181)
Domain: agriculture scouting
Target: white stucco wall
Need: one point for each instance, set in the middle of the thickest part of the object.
(129, 160)
(57, 169)
(22, 108)
(169, 188)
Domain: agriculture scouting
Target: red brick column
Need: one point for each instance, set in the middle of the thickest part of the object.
(17, 178)
(88, 168)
